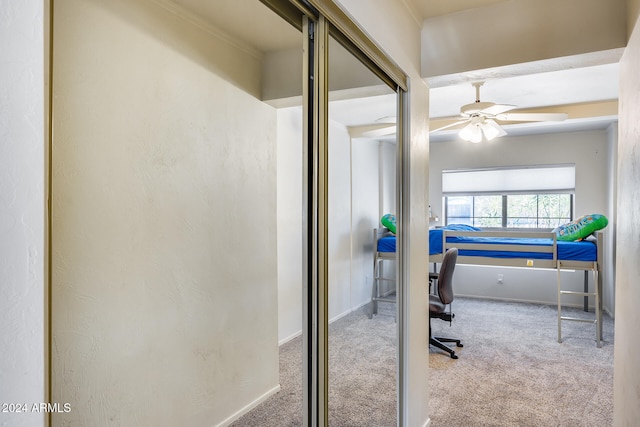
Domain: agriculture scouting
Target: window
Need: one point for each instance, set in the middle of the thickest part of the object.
(509, 210)
(529, 197)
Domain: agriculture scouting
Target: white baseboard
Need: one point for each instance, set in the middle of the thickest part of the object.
(289, 338)
(528, 301)
(333, 319)
(249, 407)
(349, 311)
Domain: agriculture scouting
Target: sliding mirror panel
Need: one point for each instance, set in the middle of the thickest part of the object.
(361, 182)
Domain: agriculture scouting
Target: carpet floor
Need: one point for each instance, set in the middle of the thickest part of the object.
(510, 372)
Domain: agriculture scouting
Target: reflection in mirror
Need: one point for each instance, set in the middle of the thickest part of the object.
(281, 56)
(362, 159)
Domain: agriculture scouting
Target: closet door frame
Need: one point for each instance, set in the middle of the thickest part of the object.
(319, 19)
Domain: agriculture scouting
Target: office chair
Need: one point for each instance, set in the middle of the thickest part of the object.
(438, 303)
(433, 279)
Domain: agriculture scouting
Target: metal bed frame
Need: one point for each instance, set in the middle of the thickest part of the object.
(378, 277)
(554, 263)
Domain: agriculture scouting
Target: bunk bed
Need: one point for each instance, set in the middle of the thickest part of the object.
(528, 249)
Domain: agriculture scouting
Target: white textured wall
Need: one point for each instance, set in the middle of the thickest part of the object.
(387, 153)
(353, 201)
(589, 152)
(612, 213)
(366, 193)
(164, 205)
(349, 287)
(290, 250)
(339, 244)
(22, 177)
(355, 179)
(626, 374)
(388, 159)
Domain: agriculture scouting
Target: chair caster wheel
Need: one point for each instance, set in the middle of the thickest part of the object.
(454, 356)
(458, 344)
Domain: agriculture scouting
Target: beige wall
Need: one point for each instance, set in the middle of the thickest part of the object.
(282, 70)
(164, 205)
(626, 373)
(633, 10)
(520, 31)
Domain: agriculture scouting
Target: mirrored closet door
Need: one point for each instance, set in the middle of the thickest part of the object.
(362, 158)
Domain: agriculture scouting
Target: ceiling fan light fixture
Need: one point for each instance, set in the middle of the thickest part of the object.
(477, 136)
(491, 129)
(471, 132)
(481, 118)
(489, 132)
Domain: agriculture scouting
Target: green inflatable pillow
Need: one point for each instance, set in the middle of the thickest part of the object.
(582, 227)
(389, 221)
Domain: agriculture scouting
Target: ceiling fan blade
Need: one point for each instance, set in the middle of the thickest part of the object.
(497, 109)
(387, 130)
(387, 119)
(450, 125)
(532, 117)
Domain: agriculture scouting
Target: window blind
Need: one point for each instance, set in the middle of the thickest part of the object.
(533, 179)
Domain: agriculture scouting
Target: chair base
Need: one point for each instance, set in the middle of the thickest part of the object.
(438, 342)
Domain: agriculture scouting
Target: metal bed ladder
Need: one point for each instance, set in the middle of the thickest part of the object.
(378, 276)
(597, 294)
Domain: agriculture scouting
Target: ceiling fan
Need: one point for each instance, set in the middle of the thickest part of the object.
(482, 118)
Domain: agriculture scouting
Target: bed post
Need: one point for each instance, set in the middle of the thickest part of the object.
(375, 293)
(557, 261)
(559, 304)
(598, 285)
(586, 289)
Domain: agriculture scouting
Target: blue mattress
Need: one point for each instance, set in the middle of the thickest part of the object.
(567, 251)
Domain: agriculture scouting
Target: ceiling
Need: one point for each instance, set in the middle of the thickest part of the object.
(431, 8)
(254, 24)
(567, 91)
(586, 79)
(248, 21)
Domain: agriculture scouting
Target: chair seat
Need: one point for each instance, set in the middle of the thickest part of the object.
(435, 305)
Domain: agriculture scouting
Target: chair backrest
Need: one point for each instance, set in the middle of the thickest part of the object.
(445, 277)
